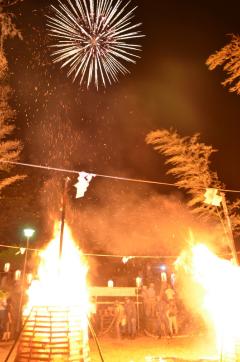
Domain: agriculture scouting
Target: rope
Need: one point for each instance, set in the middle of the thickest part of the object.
(49, 168)
(95, 174)
(118, 256)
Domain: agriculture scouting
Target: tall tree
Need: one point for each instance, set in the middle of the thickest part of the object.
(9, 148)
(189, 161)
(229, 58)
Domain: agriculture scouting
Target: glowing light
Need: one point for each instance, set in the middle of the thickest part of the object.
(6, 267)
(163, 276)
(218, 279)
(138, 282)
(28, 232)
(125, 260)
(110, 284)
(17, 274)
(163, 267)
(93, 38)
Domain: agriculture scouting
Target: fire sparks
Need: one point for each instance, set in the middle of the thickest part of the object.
(56, 315)
(218, 280)
(93, 38)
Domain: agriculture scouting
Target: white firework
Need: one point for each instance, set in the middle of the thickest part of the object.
(93, 39)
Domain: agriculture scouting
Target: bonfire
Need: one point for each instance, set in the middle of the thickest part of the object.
(216, 282)
(56, 315)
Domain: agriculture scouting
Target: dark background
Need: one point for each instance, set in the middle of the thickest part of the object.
(64, 125)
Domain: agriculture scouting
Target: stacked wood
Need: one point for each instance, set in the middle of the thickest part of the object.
(53, 334)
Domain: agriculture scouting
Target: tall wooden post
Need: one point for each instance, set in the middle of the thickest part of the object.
(63, 214)
(229, 229)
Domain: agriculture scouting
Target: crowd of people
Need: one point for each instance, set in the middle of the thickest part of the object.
(153, 311)
(126, 319)
(157, 309)
(161, 308)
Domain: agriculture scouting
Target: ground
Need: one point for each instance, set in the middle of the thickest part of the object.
(142, 348)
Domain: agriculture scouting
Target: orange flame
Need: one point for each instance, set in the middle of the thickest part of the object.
(60, 281)
(219, 280)
(58, 302)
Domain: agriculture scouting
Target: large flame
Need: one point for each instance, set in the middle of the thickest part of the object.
(61, 281)
(219, 280)
(58, 305)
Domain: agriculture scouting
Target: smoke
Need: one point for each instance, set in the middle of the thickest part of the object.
(136, 220)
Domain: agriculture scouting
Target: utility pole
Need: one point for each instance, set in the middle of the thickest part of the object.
(229, 229)
(63, 213)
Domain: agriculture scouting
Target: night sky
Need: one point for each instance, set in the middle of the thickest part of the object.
(64, 125)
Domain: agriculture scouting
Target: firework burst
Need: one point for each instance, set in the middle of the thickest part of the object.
(93, 39)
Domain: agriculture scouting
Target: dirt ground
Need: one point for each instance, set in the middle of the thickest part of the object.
(144, 349)
(147, 349)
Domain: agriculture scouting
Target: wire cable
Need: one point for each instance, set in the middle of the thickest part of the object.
(57, 169)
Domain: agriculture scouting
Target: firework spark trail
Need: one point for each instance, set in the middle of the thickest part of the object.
(93, 39)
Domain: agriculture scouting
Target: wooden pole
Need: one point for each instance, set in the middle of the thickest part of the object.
(138, 318)
(229, 229)
(19, 320)
(63, 214)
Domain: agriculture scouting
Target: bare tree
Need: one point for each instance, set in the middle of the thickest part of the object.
(189, 161)
(229, 58)
(9, 148)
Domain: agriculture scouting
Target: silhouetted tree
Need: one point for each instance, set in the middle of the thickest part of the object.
(229, 58)
(9, 148)
(189, 161)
